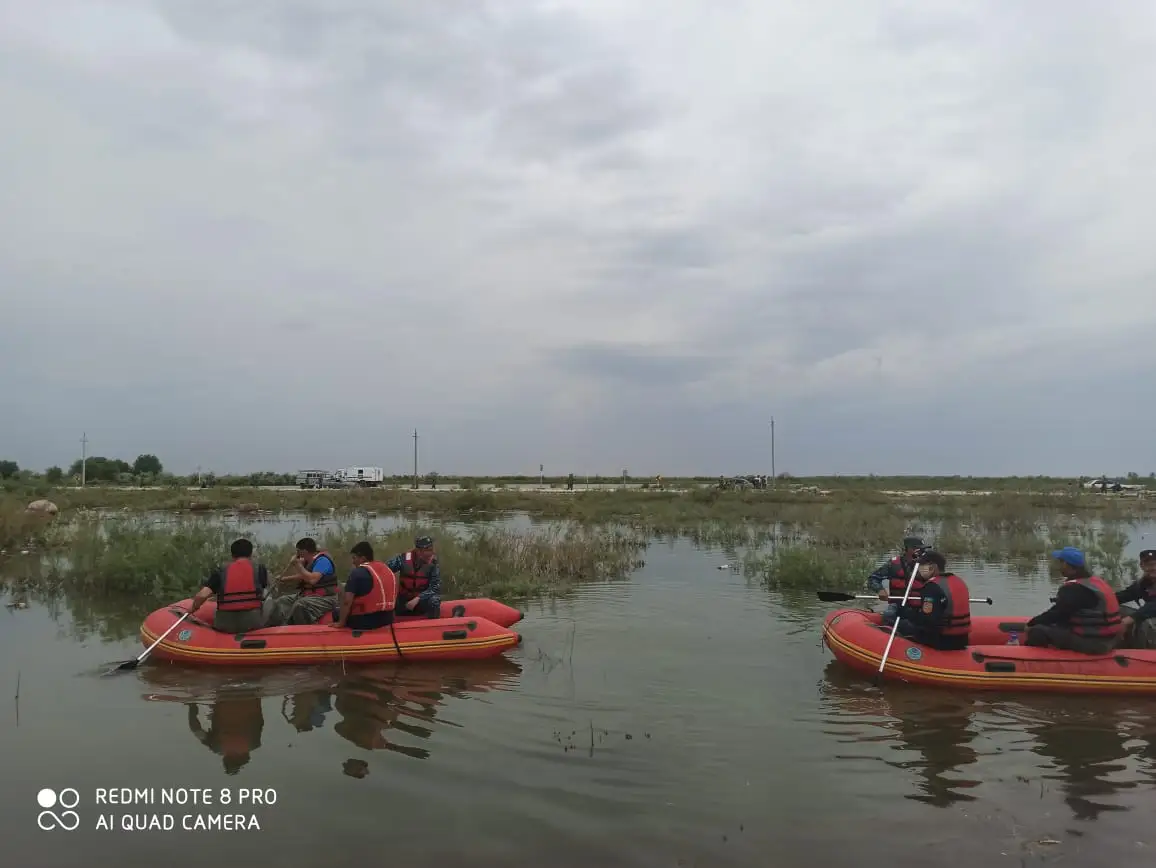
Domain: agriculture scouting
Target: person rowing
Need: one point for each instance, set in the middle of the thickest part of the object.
(942, 619)
(890, 580)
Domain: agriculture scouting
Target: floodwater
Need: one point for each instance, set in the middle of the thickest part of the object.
(686, 717)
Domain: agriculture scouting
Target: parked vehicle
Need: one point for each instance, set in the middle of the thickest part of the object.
(365, 477)
(314, 479)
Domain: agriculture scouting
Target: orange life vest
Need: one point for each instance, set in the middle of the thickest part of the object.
(897, 584)
(382, 594)
(415, 570)
(239, 591)
(955, 618)
(1104, 621)
(326, 586)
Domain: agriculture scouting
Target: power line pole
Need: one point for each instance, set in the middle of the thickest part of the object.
(415, 458)
(83, 457)
(774, 476)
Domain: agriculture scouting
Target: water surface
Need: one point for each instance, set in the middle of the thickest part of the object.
(687, 717)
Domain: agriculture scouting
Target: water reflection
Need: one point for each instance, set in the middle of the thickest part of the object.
(1090, 760)
(939, 727)
(235, 724)
(388, 707)
(404, 701)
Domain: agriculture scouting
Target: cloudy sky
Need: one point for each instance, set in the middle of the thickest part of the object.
(592, 234)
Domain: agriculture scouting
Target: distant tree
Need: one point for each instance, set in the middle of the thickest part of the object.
(53, 475)
(147, 464)
(8, 469)
(101, 469)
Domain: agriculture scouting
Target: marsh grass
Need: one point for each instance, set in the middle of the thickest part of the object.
(163, 561)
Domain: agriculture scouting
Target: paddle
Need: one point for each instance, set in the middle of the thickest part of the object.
(842, 597)
(129, 665)
(898, 618)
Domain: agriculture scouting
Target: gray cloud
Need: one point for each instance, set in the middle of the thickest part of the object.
(590, 234)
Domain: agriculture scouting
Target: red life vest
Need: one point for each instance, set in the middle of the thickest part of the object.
(1104, 621)
(415, 570)
(955, 617)
(326, 585)
(897, 584)
(239, 591)
(382, 593)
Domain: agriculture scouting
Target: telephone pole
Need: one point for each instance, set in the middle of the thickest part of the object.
(774, 476)
(415, 458)
(83, 457)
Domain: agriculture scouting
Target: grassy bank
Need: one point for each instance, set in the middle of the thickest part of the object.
(138, 557)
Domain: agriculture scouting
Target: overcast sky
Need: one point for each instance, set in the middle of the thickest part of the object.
(592, 234)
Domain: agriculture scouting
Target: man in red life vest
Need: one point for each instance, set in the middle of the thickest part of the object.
(1086, 615)
(942, 617)
(890, 580)
(1140, 623)
(240, 590)
(370, 593)
(314, 576)
(419, 579)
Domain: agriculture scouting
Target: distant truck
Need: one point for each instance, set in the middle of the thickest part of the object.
(314, 479)
(1109, 484)
(364, 477)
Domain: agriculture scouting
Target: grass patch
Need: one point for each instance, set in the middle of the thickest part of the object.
(161, 562)
(807, 566)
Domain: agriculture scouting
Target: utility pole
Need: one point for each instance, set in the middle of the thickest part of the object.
(774, 476)
(83, 457)
(415, 458)
(541, 475)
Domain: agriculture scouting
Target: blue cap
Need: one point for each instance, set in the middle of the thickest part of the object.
(1070, 555)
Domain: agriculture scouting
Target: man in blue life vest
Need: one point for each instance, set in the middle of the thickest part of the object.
(890, 580)
(370, 593)
(239, 587)
(313, 575)
(1086, 616)
(419, 580)
(1139, 623)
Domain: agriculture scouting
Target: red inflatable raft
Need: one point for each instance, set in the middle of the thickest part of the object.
(989, 663)
(194, 641)
(481, 607)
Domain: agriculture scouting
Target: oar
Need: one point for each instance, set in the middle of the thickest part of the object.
(895, 627)
(842, 597)
(129, 665)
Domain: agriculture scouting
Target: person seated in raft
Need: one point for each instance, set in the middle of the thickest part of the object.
(240, 591)
(419, 579)
(1140, 623)
(942, 619)
(312, 571)
(1086, 615)
(370, 593)
(890, 580)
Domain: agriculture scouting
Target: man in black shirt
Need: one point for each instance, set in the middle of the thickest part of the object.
(1140, 623)
(1086, 615)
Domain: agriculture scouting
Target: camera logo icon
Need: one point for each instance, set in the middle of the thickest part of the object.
(67, 819)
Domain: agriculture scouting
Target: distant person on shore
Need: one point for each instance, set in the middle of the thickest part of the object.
(1086, 616)
(370, 593)
(1140, 623)
(419, 580)
(890, 580)
(240, 591)
(570, 482)
(312, 572)
(942, 618)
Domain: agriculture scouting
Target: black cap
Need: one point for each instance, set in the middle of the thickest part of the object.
(930, 556)
(1148, 555)
(423, 542)
(913, 542)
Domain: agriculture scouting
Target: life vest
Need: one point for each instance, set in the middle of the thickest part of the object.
(382, 594)
(326, 585)
(897, 584)
(239, 591)
(1104, 621)
(415, 570)
(955, 617)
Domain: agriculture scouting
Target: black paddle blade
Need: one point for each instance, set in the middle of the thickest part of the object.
(835, 596)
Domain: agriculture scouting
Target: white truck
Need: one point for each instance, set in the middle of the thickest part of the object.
(365, 477)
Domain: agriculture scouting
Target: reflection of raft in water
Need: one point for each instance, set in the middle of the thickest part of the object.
(469, 637)
(989, 663)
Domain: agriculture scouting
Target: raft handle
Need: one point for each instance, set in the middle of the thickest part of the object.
(999, 666)
(458, 611)
(472, 625)
(356, 634)
(1013, 627)
(252, 643)
(455, 634)
(1122, 660)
